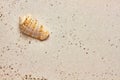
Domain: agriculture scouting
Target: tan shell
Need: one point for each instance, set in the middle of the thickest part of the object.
(30, 27)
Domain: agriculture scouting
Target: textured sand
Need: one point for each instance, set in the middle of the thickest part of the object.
(84, 42)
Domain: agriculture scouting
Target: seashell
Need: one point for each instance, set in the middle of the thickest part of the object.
(31, 28)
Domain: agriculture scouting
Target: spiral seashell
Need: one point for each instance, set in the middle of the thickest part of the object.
(31, 28)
